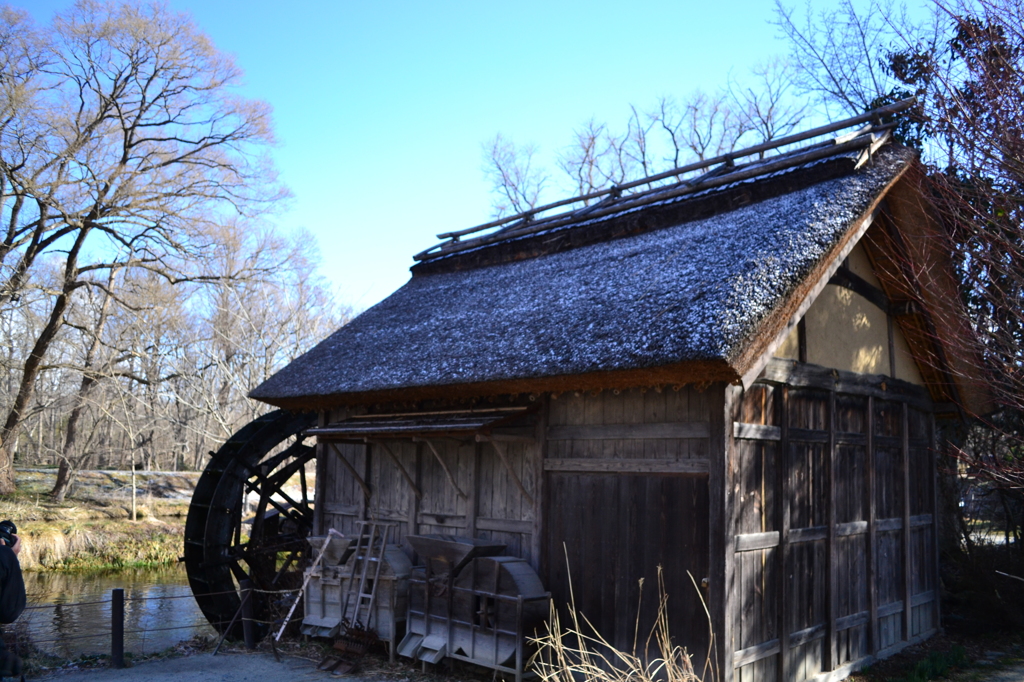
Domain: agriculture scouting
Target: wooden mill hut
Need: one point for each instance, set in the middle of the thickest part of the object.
(732, 371)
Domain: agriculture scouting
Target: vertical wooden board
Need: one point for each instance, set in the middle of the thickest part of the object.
(888, 418)
(851, 414)
(593, 408)
(757, 406)
(808, 409)
(851, 483)
(627, 527)
(575, 408)
(757, 621)
(888, 483)
(633, 406)
(677, 404)
(765, 670)
(806, 661)
(700, 402)
(614, 407)
(921, 481)
(654, 407)
(557, 409)
(890, 567)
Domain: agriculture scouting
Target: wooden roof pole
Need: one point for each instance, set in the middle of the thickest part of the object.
(504, 460)
(874, 115)
(447, 471)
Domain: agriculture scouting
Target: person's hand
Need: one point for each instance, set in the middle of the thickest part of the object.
(17, 545)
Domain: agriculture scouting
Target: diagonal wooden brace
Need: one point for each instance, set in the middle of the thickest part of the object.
(398, 463)
(351, 470)
(440, 460)
(508, 465)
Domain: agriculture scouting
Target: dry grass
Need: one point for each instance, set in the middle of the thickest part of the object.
(579, 653)
(91, 530)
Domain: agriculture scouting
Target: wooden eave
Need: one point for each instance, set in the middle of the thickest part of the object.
(674, 375)
(907, 248)
(904, 242)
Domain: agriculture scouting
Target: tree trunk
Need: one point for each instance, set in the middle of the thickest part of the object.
(69, 458)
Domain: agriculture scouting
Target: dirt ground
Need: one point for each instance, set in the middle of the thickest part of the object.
(241, 666)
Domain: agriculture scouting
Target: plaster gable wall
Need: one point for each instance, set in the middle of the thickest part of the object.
(847, 332)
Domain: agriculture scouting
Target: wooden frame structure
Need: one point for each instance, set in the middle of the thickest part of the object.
(601, 427)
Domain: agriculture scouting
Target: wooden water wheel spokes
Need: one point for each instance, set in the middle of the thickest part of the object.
(250, 516)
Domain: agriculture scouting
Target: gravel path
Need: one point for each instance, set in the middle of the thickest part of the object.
(225, 667)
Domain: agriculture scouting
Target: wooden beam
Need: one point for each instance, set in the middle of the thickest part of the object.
(749, 542)
(934, 461)
(755, 431)
(632, 466)
(832, 545)
(444, 466)
(537, 543)
(908, 576)
(414, 503)
(723, 605)
(351, 469)
(321, 480)
(669, 430)
(401, 469)
(872, 529)
(504, 525)
(783, 501)
(508, 465)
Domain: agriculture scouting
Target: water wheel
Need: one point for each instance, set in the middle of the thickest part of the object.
(249, 518)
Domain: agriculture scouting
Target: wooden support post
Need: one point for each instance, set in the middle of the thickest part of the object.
(908, 575)
(117, 628)
(539, 455)
(872, 530)
(366, 476)
(782, 496)
(472, 504)
(832, 550)
(933, 449)
(319, 491)
(414, 503)
(248, 626)
(723, 597)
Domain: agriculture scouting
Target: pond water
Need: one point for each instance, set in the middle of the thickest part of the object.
(69, 614)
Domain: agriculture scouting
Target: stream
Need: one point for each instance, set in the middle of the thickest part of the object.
(155, 600)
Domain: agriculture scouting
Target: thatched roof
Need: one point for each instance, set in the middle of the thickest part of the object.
(671, 289)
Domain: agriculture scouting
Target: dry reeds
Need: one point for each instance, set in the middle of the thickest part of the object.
(580, 653)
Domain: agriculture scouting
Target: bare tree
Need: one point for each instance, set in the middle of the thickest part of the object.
(121, 143)
(516, 182)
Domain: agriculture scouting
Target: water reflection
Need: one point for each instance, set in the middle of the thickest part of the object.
(71, 630)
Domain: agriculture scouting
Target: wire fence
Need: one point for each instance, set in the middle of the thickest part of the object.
(115, 630)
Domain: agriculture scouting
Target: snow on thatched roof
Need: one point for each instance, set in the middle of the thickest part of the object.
(682, 281)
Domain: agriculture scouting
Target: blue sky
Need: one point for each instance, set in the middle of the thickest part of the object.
(381, 108)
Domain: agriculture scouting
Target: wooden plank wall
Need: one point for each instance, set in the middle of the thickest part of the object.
(485, 502)
(627, 491)
(834, 528)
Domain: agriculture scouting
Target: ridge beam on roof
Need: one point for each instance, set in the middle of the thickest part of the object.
(728, 158)
(869, 142)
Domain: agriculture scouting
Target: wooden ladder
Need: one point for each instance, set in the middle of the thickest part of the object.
(370, 547)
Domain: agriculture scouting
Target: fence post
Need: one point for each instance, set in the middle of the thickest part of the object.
(248, 627)
(117, 628)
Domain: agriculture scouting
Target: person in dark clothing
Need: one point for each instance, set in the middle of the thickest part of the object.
(12, 601)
